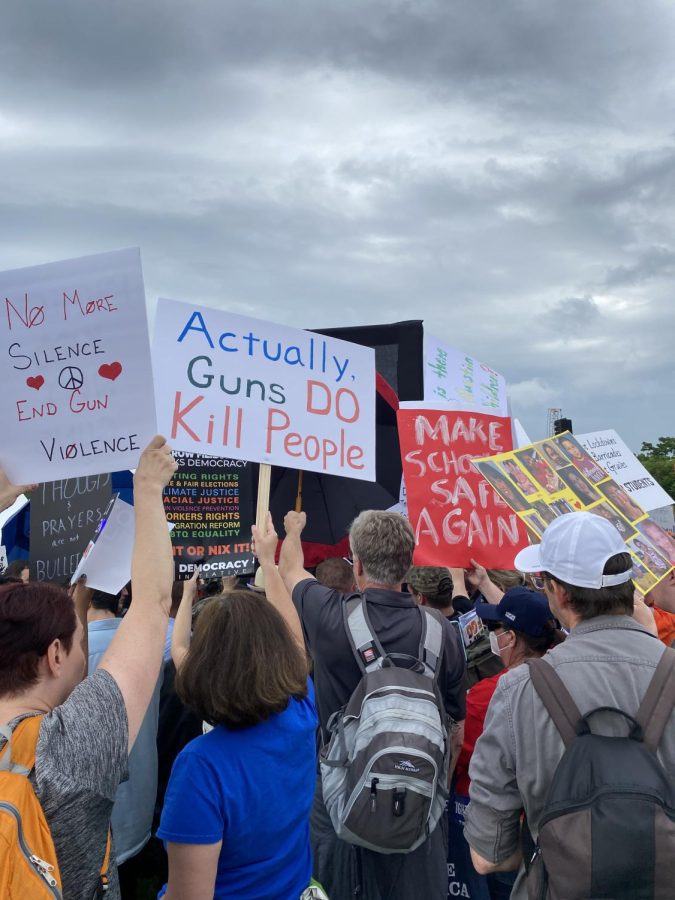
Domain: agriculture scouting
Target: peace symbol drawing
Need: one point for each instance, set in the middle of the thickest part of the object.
(71, 378)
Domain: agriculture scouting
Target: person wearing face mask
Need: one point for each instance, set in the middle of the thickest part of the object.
(520, 626)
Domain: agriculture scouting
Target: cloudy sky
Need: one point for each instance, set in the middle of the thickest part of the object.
(503, 169)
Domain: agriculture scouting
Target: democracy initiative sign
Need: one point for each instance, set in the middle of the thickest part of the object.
(209, 500)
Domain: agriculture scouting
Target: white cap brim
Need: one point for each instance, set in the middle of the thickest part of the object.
(529, 559)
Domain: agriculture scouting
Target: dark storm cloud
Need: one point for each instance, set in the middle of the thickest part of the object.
(504, 170)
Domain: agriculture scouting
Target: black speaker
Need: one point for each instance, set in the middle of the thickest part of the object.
(561, 425)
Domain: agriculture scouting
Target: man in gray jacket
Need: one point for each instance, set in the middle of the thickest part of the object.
(607, 660)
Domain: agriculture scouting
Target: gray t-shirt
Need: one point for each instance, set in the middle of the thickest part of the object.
(81, 758)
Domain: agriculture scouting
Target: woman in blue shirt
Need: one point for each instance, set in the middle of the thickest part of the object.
(236, 812)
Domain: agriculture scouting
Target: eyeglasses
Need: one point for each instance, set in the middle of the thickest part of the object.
(538, 580)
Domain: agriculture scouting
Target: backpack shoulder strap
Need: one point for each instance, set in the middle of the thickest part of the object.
(556, 698)
(104, 878)
(431, 642)
(657, 704)
(19, 752)
(365, 644)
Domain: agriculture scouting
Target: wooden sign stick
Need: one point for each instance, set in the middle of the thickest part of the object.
(263, 494)
(298, 496)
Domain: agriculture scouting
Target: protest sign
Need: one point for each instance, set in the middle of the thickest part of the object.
(557, 476)
(77, 393)
(231, 386)
(607, 448)
(402, 506)
(461, 381)
(64, 515)
(471, 627)
(106, 561)
(521, 437)
(3, 559)
(455, 513)
(209, 500)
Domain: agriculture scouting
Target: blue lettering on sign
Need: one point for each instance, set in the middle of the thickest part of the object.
(314, 357)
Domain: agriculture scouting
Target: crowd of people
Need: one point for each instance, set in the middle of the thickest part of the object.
(334, 734)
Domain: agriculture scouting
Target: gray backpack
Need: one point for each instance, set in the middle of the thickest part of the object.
(608, 827)
(384, 771)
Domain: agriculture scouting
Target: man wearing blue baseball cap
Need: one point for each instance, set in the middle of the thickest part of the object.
(608, 660)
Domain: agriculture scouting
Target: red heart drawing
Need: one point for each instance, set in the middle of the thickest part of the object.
(110, 370)
(36, 382)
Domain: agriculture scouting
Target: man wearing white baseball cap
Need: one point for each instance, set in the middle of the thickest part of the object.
(608, 660)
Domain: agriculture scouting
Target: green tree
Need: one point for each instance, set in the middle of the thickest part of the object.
(659, 460)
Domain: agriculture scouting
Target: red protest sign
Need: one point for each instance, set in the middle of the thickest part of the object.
(456, 514)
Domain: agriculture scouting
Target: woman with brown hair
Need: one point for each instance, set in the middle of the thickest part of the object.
(236, 812)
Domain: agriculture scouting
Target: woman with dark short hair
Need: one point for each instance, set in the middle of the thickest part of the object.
(236, 811)
(77, 732)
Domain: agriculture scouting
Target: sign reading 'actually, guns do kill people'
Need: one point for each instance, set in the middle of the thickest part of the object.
(77, 394)
(227, 385)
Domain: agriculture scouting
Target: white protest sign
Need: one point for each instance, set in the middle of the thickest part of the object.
(607, 449)
(461, 381)
(3, 559)
(228, 385)
(520, 436)
(402, 506)
(107, 560)
(77, 394)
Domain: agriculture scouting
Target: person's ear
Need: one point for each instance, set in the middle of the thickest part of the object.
(560, 594)
(358, 567)
(54, 658)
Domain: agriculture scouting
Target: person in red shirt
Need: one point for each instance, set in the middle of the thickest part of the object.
(521, 626)
(661, 599)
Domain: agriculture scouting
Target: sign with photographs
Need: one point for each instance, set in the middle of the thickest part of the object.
(557, 476)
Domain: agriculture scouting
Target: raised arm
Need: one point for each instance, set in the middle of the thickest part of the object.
(182, 629)
(134, 656)
(479, 578)
(82, 598)
(292, 559)
(264, 546)
(458, 583)
(10, 492)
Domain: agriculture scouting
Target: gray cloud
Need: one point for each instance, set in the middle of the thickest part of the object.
(504, 170)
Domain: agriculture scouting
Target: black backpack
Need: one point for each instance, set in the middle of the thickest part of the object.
(608, 826)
